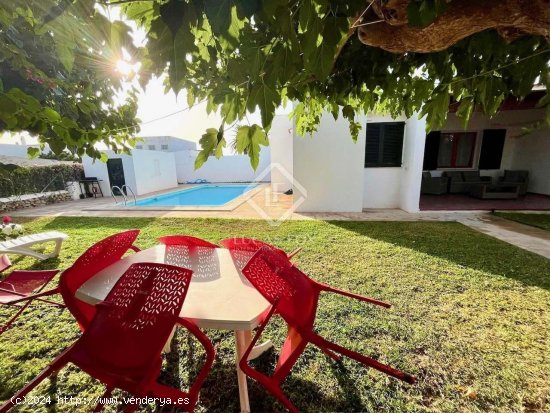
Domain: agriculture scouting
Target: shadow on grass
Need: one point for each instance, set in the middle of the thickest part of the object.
(461, 245)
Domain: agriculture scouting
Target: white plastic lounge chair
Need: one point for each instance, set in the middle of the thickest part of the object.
(22, 245)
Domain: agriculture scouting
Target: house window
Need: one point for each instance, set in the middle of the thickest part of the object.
(384, 146)
(456, 150)
(151, 147)
(163, 147)
(139, 146)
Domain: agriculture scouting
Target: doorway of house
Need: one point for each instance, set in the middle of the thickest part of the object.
(116, 174)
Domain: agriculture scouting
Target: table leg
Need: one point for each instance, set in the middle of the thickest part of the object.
(242, 341)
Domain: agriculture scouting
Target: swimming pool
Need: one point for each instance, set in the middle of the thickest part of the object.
(203, 195)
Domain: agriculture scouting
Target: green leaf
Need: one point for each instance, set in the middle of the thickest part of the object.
(51, 115)
(436, 109)
(7, 106)
(66, 55)
(465, 110)
(267, 99)
(219, 14)
(33, 152)
(306, 15)
(104, 157)
(248, 140)
(348, 112)
(212, 143)
(242, 139)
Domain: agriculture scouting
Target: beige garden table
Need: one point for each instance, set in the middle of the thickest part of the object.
(219, 296)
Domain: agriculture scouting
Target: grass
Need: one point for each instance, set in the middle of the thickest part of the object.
(535, 220)
(470, 320)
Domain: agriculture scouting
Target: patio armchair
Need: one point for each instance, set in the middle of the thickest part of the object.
(520, 178)
(187, 241)
(253, 245)
(295, 297)
(96, 258)
(242, 249)
(122, 345)
(433, 185)
(18, 288)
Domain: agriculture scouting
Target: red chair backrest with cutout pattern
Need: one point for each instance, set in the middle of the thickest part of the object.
(96, 258)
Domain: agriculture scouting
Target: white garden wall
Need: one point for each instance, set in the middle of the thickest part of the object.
(229, 168)
(329, 166)
(144, 171)
(7, 149)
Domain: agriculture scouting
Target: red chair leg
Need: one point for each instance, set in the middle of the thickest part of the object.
(384, 368)
(100, 404)
(331, 354)
(278, 393)
(8, 325)
(56, 365)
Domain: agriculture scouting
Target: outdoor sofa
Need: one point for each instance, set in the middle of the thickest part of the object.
(433, 185)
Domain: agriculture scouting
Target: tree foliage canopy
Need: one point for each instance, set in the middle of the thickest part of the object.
(57, 77)
(246, 55)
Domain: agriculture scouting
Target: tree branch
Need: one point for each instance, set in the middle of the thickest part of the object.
(463, 18)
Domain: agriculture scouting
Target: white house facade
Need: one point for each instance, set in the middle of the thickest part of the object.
(384, 167)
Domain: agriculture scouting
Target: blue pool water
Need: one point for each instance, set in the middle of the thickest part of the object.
(203, 195)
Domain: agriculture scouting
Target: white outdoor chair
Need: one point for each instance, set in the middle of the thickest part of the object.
(22, 245)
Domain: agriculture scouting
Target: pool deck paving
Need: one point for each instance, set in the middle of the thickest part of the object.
(276, 207)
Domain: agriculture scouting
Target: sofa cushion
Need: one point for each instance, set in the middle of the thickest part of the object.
(471, 176)
(455, 176)
(515, 176)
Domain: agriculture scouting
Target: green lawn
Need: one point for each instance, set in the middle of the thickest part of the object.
(535, 220)
(470, 319)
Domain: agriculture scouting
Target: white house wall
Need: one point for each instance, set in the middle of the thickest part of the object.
(381, 188)
(153, 171)
(229, 168)
(281, 136)
(397, 187)
(533, 154)
(329, 166)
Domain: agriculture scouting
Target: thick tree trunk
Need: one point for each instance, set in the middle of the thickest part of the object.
(462, 18)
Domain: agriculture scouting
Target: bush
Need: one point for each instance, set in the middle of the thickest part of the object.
(22, 181)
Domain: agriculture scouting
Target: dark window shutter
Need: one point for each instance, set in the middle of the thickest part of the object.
(431, 151)
(393, 144)
(372, 150)
(491, 148)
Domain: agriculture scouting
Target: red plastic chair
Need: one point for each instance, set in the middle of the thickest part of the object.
(186, 240)
(122, 345)
(99, 256)
(295, 296)
(17, 288)
(253, 245)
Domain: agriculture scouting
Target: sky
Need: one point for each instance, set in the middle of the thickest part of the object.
(153, 103)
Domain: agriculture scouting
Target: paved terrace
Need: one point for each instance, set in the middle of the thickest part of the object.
(264, 204)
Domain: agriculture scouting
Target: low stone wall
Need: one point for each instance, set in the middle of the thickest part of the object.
(33, 200)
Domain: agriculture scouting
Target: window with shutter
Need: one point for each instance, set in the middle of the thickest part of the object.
(384, 145)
